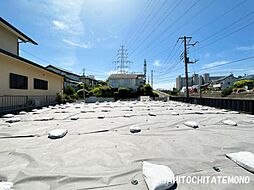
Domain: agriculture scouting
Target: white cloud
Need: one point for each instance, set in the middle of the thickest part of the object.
(157, 63)
(77, 44)
(246, 48)
(69, 12)
(213, 64)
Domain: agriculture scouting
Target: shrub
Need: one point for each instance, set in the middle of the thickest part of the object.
(69, 90)
(242, 83)
(59, 98)
(155, 94)
(68, 98)
(124, 92)
(227, 91)
(102, 91)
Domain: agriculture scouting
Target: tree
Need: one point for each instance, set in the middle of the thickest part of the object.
(69, 90)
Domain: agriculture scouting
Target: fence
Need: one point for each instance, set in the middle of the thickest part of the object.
(241, 105)
(10, 104)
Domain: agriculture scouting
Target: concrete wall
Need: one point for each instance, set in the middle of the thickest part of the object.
(8, 41)
(10, 65)
(129, 83)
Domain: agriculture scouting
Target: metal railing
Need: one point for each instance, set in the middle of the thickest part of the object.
(241, 105)
(10, 104)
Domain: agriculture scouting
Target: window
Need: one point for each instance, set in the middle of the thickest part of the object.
(18, 81)
(40, 84)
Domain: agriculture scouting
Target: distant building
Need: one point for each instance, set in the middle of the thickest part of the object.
(89, 81)
(73, 79)
(70, 78)
(21, 77)
(132, 81)
(224, 82)
(196, 80)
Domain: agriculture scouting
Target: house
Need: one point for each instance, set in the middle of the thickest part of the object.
(73, 79)
(89, 81)
(224, 82)
(20, 77)
(132, 81)
(70, 78)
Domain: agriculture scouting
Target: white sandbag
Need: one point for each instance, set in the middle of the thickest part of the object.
(6, 185)
(13, 120)
(8, 116)
(135, 129)
(192, 124)
(74, 118)
(97, 103)
(101, 116)
(34, 110)
(174, 113)
(243, 159)
(234, 112)
(152, 114)
(127, 115)
(22, 113)
(229, 122)
(44, 119)
(57, 133)
(170, 109)
(158, 177)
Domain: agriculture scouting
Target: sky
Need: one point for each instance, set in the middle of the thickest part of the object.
(77, 34)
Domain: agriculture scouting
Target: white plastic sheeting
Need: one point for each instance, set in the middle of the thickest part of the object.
(6, 185)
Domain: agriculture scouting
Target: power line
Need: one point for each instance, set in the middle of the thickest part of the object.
(218, 17)
(225, 36)
(170, 26)
(157, 25)
(141, 14)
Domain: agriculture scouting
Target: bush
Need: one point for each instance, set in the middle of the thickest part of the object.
(124, 92)
(227, 91)
(242, 83)
(102, 91)
(59, 98)
(68, 98)
(69, 90)
(155, 94)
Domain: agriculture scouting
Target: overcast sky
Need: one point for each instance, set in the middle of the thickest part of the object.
(87, 34)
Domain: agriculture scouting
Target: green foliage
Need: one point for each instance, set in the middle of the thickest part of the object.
(60, 98)
(227, 91)
(102, 91)
(145, 90)
(68, 98)
(69, 90)
(155, 94)
(242, 83)
(124, 92)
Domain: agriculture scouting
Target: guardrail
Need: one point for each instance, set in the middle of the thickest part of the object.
(10, 104)
(241, 105)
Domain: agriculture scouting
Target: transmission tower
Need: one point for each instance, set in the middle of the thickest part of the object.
(122, 62)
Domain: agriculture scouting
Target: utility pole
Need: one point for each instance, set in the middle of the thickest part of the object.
(152, 78)
(84, 94)
(186, 60)
(145, 68)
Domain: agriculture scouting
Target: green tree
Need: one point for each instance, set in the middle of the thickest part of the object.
(69, 90)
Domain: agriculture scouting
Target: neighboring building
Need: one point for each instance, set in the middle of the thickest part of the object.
(73, 79)
(132, 81)
(89, 81)
(70, 78)
(195, 80)
(22, 77)
(224, 82)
